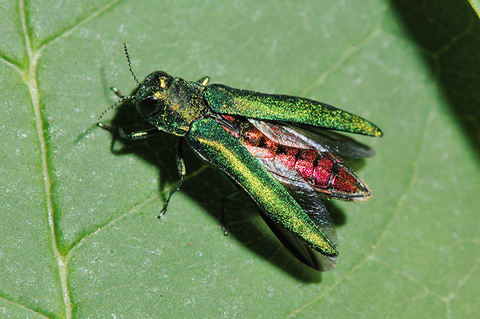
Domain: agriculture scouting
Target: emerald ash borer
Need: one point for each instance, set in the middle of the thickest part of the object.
(280, 149)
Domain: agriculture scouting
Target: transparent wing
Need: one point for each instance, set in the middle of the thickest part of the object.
(321, 139)
(334, 142)
(328, 175)
(312, 205)
(300, 222)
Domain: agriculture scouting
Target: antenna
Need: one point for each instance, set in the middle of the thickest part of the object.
(123, 98)
(130, 63)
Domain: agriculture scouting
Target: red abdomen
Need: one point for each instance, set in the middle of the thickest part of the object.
(323, 171)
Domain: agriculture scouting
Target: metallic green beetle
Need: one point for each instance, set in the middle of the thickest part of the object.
(280, 149)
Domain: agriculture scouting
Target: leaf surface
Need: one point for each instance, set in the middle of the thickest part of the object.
(79, 233)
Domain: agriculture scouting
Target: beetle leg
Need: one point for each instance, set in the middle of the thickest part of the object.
(130, 136)
(182, 172)
(224, 201)
(204, 81)
(138, 135)
(117, 92)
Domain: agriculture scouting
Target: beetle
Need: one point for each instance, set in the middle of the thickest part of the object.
(282, 150)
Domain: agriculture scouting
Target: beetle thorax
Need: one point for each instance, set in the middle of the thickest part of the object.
(169, 103)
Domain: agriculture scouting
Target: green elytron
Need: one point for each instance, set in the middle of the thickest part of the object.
(278, 148)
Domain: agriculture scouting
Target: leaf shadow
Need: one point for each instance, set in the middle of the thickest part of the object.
(448, 32)
(158, 150)
(207, 189)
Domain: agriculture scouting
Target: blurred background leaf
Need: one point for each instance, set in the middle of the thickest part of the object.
(475, 5)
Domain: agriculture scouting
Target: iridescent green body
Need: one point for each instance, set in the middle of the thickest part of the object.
(217, 147)
(277, 107)
(185, 111)
(196, 112)
(182, 102)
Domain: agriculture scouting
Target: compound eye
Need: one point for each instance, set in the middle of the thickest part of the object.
(149, 106)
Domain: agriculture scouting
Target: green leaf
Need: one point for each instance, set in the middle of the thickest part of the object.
(79, 233)
(475, 5)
